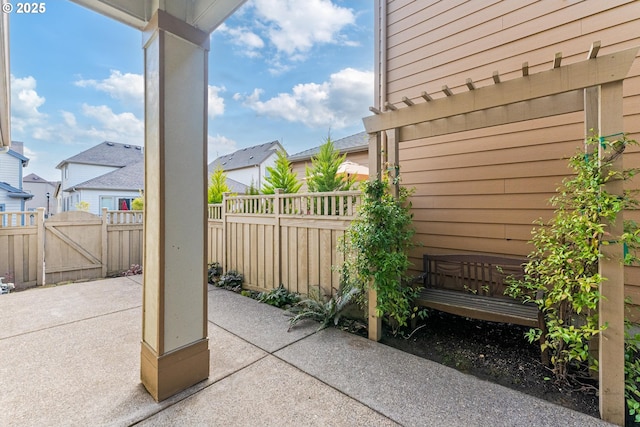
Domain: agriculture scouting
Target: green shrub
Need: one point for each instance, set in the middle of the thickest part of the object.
(322, 310)
(214, 271)
(279, 297)
(564, 262)
(231, 280)
(376, 249)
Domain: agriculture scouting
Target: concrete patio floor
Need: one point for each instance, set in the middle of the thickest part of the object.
(70, 357)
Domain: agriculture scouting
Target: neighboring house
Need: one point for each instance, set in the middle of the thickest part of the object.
(108, 175)
(356, 147)
(43, 193)
(12, 195)
(247, 165)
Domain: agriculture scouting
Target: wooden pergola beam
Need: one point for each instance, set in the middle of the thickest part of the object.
(548, 106)
(592, 72)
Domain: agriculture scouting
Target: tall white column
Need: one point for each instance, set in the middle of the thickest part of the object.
(174, 349)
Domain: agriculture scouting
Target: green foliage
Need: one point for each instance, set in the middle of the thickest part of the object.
(279, 297)
(214, 271)
(217, 185)
(252, 190)
(137, 204)
(317, 308)
(323, 174)
(632, 374)
(82, 206)
(564, 263)
(281, 176)
(231, 280)
(376, 249)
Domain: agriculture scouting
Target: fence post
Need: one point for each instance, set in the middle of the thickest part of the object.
(40, 268)
(277, 250)
(105, 243)
(223, 215)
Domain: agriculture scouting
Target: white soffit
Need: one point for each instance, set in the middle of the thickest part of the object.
(205, 15)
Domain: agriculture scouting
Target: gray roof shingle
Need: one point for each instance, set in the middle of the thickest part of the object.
(348, 144)
(130, 177)
(246, 157)
(107, 153)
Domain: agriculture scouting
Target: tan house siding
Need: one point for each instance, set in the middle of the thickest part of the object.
(480, 191)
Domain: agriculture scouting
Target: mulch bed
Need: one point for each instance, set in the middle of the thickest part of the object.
(491, 351)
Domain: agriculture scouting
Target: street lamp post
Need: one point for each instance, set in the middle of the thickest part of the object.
(48, 195)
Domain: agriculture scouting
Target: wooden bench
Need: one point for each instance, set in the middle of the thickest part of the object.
(473, 286)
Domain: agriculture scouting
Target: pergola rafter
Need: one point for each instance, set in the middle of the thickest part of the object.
(574, 77)
(593, 86)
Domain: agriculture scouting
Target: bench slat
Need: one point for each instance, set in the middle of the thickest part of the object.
(478, 307)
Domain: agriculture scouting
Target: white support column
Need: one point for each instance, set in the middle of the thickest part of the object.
(611, 360)
(174, 348)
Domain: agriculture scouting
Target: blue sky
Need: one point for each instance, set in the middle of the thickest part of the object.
(289, 70)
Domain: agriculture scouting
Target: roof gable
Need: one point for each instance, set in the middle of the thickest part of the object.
(130, 177)
(246, 157)
(32, 177)
(107, 153)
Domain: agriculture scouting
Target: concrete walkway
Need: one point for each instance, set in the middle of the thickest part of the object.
(69, 356)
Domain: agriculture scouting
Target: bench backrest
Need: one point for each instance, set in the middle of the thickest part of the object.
(478, 274)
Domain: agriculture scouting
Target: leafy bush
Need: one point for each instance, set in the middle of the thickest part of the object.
(564, 262)
(326, 312)
(214, 271)
(231, 280)
(632, 374)
(376, 249)
(279, 297)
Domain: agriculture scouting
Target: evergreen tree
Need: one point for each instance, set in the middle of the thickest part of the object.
(281, 176)
(217, 185)
(323, 173)
(252, 190)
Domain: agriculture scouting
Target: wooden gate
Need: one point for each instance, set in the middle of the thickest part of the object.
(73, 247)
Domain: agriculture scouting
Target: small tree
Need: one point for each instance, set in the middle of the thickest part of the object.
(323, 173)
(82, 206)
(564, 263)
(137, 204)
(217, 185)
(252, 190)
(281, 176)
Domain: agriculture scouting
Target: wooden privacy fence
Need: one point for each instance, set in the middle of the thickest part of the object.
(289, 239)
(271, 239)
(69, 246)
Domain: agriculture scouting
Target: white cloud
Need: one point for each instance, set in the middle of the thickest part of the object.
(216, 102)
(288, 29)
(294, 26)
(249, 42)
(219, 146)
(127, 87)
(25, 102)
(336, 104)
(123, 127)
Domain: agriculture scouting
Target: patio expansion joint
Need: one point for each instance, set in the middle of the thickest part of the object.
(71, 323)
(273, 354)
